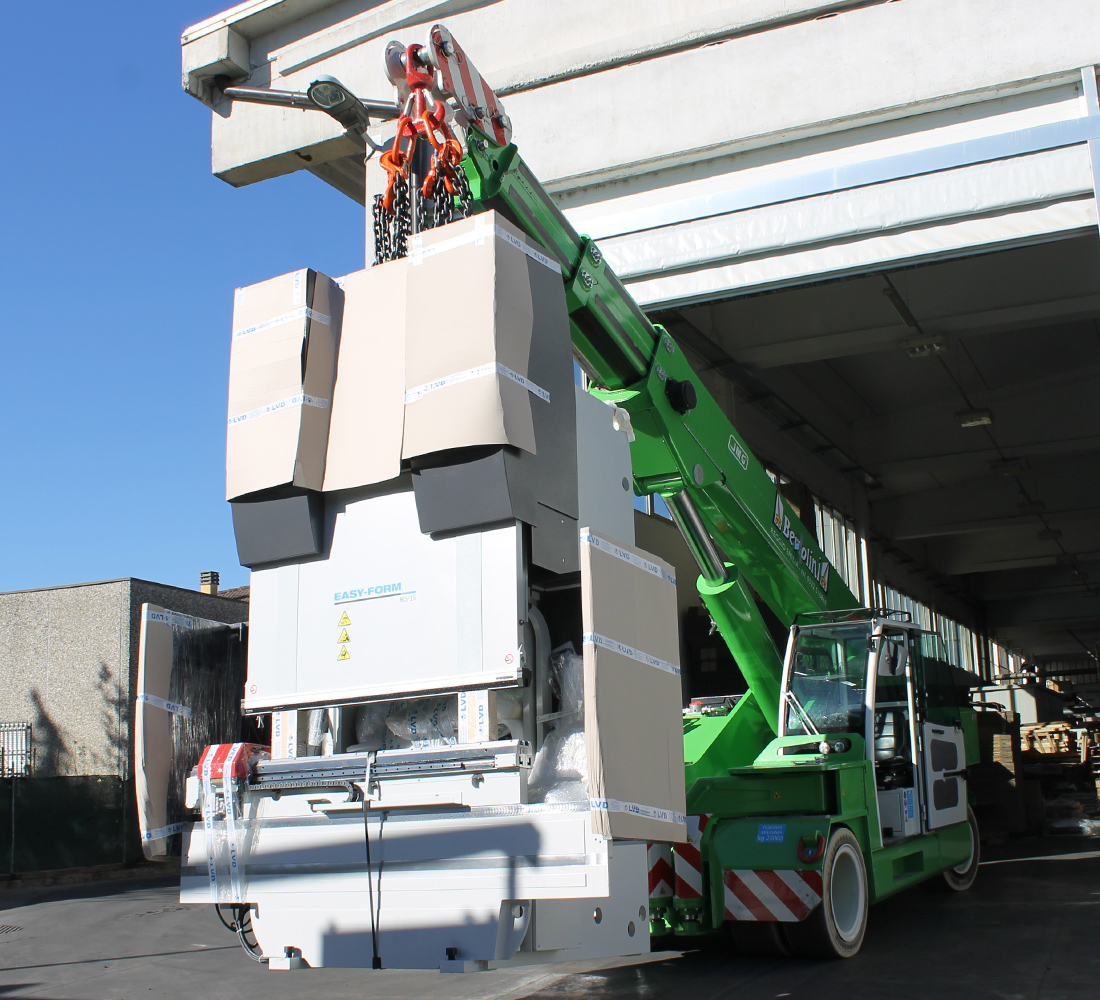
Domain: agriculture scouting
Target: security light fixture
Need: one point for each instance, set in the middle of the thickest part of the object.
(325, 94)
(974, 418)
(334, 99)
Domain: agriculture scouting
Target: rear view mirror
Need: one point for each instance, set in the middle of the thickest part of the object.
(892, 658)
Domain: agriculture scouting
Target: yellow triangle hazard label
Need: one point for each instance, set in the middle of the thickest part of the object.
(345, 620)
(344, 637)
(344, 654)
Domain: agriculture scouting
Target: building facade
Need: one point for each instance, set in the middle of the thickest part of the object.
(68, 668)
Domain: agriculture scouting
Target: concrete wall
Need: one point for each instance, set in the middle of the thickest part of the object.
(68, 666)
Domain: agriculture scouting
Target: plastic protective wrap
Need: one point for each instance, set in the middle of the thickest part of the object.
(208, 674)
(560, 771)
(223, 772)
(393, 725)
(510, 715)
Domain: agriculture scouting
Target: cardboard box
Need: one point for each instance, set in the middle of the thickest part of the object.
(477, 716)
(634, 734)
(281, 368)
(368, 399)
(469, 323)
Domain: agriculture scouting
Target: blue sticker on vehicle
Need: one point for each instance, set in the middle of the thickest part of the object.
(771, 833)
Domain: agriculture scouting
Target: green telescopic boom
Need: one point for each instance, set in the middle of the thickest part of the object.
(732, 516)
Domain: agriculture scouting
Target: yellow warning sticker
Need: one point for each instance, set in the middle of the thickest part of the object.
(344, 654)
(344, 620)
(344, 637)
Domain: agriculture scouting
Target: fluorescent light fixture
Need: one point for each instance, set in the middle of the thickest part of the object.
(925, 346)
(974, 418)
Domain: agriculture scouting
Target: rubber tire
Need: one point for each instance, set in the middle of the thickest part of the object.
(953, 879)
(827, 933)
(758, 939)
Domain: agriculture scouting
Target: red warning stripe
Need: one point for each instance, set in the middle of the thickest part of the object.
(688, 862)
(758, 910)
(812, 878)
(689, 856)
(470, 83)
(660, 874)
(785, 894)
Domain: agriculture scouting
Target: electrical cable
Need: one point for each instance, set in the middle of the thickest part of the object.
(250, 949)
(376, 960)
(240, 914)
(228, 926)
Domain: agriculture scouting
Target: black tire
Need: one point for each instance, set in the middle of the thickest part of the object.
(762, 939)
(961, 877)
(837, 924)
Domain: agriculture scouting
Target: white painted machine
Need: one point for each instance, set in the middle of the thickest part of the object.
(436, 849)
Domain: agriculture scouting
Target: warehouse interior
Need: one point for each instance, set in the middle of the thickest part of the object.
(957, 399)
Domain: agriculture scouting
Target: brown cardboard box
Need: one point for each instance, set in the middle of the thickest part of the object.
(281, 368)
(368, 399)
(632, 706)
(468, 337)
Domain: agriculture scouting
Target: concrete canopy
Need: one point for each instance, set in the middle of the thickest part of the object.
(761, 172)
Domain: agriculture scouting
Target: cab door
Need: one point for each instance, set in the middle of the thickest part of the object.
(943, 751)
(944, 774)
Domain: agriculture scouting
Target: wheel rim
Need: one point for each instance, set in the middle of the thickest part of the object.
(965, 866)
(847, 893)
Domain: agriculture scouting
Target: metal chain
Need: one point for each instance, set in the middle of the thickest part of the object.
(381, 232)
(391, 233)
(465, 197)
(443, 202)
(402, 219)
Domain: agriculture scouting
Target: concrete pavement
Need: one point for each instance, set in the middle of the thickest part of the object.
(1026, 931)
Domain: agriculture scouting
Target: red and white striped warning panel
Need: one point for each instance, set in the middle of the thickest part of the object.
(660, 871)
(688, 864)
(786, 896)
(461, 78)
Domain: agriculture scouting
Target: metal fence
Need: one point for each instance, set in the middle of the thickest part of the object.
(16, 750)
(51, 823)
(48, 824)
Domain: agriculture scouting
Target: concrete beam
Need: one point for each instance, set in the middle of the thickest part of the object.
(612, 63)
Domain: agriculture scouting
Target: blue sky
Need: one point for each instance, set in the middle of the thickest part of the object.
(120, 252)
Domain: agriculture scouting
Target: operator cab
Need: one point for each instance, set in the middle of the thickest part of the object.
(876, 677)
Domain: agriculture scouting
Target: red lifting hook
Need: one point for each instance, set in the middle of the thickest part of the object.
(808, 856)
